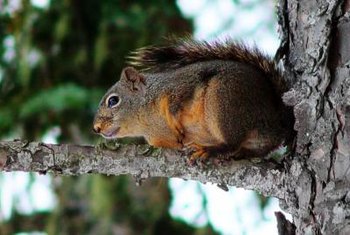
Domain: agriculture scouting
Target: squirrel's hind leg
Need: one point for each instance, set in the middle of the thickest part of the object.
(197, 153)
(172, 121)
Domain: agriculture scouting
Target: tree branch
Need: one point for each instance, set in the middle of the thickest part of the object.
(66, 159)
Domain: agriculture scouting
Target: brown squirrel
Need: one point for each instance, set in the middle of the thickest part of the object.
(217, 98)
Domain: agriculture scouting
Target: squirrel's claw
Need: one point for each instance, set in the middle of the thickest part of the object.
(198, 155)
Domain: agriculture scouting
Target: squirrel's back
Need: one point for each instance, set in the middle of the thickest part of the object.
(184, 52)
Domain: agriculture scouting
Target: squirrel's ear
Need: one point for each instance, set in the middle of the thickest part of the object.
(133, 79)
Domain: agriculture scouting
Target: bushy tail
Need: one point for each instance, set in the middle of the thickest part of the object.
(184, 52)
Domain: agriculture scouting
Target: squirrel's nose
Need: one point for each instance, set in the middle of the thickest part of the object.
(97, 128)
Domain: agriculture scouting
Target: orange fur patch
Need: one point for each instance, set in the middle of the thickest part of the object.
(173, 123)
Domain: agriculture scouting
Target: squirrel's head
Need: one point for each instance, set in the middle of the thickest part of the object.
(117, 113)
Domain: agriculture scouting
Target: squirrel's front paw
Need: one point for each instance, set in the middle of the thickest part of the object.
(149, 150)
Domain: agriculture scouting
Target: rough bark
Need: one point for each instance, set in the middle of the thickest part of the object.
(284, 226)
(316, 55)
(136, 160)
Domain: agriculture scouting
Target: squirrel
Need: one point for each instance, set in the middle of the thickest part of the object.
(218, 98)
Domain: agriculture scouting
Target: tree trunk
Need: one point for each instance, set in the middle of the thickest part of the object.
(316, 55)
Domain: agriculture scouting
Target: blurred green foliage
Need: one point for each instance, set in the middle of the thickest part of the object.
(57, 61)
(55, 64)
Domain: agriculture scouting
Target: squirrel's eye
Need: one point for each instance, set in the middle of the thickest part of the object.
(112, 101)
